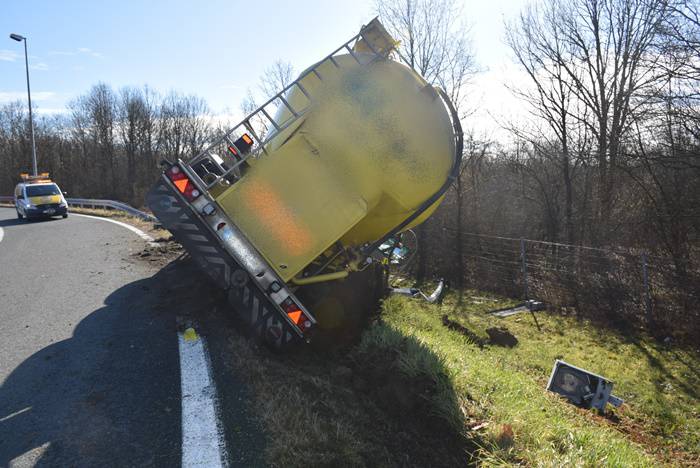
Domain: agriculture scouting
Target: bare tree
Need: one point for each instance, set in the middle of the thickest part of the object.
(93, 125)
(184, 125)
(590, 62)
(437, 47)
(273, 80)
(136, 130)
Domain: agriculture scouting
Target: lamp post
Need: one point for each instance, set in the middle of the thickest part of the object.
(19, 38)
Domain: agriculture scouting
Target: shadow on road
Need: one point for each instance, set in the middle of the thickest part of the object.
(108, 396)
(11, 222)
(17, 222)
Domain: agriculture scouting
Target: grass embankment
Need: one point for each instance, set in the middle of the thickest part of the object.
(415, 393)
(660, 421)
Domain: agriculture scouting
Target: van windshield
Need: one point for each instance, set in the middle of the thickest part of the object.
(42, 190)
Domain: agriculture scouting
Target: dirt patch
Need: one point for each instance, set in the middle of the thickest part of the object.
(643, 434)
(500, 336)
(160, 253)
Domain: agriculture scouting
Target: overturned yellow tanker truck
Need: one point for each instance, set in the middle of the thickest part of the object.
(286, 210)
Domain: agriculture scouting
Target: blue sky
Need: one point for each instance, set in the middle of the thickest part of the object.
(215, 49)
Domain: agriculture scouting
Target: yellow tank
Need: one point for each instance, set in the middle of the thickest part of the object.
(375, 143)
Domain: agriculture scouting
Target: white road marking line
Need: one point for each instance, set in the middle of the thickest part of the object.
(2, 234)
(30, 458)
(16, 413)
(131, 228)
(203, 442)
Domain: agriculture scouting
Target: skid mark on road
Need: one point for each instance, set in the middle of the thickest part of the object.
(131, 228)
(202, 436)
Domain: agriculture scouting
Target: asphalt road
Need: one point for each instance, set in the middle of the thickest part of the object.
(89, 365)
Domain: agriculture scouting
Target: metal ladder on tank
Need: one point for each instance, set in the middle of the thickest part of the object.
(261, 114)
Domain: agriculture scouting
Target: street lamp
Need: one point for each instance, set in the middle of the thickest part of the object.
(19, 38)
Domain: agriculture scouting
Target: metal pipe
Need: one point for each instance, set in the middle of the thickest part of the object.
(320, 278)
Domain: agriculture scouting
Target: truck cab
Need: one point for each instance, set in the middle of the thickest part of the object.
(39, 197)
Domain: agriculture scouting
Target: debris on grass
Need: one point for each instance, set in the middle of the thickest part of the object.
(581, 387)
(434, 297)
(527, 306)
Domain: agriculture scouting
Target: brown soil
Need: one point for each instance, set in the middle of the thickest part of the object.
(500, 336)
(160, 254)
(644, 435)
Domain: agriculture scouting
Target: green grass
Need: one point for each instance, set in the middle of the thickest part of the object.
(414, 393)
(660, 422)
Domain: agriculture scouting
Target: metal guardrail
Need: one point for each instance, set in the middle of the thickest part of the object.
(102, 204)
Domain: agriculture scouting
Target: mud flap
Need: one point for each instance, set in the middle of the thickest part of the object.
(251, 305)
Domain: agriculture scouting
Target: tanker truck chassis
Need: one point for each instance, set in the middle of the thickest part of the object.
(187, 201)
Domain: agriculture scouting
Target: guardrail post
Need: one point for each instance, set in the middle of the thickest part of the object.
(647, 292)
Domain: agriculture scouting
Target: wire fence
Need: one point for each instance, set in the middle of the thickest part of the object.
(624, 286)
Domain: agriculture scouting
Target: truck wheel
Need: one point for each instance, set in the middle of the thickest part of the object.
(65, 216)
(344, 308)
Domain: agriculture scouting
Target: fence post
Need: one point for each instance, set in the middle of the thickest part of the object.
(647, 293)
(524, 267)
(525, 291)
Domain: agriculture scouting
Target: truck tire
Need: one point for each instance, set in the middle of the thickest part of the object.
(345, 307)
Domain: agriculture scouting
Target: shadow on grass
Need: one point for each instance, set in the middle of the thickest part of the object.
(410, 384)
(386, 401)
(686, 386)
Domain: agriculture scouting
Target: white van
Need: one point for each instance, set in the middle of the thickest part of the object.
(39, 197)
